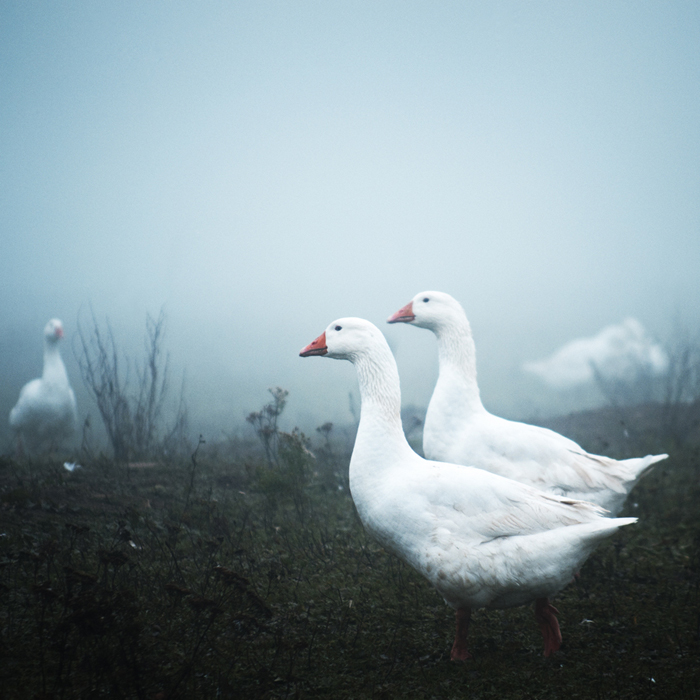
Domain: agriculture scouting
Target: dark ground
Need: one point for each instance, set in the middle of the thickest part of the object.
(237, 579)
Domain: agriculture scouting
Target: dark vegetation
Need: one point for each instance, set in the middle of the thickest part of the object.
(239, 569)
(243, 572)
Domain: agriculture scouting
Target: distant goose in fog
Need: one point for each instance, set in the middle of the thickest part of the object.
(46, 413)
(619, 352)
(480, 539)
(459, 429)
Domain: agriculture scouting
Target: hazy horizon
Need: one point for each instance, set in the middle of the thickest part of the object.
(258, 170)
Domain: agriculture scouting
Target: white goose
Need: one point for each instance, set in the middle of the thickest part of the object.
(480, 539)
(459, 429)
(45, 413)
(618, 353)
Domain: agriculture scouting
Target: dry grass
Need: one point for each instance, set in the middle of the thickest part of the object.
(238, 579)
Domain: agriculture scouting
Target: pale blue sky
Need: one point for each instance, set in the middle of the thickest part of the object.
(261, 168)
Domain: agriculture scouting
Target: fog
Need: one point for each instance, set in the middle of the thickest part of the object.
(257, 170)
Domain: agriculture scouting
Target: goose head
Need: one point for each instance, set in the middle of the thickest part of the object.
(432, 310)
(53, 331)
(345, 339)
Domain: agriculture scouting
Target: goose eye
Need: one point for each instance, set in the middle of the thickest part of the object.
(426, 300)
(338, 328)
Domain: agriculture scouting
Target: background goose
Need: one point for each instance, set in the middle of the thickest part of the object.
(619, 353)
(459, 429)
(45, 413)
(480, 539)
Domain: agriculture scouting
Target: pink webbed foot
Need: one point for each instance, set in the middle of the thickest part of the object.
(459, 648)
(546, 618)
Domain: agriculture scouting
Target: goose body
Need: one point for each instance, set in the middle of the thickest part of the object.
(45, 413)
(482, 540)
(460, 430)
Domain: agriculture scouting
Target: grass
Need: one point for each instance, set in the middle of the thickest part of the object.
(236, 578)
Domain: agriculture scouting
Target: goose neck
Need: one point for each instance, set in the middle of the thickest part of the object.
(380, 412)
(54, 369)
(457, 361)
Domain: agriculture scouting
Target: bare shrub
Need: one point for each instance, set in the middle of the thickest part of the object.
(288, 472)
(133, 419)
(674, 394)
(641, 385)
(681, 400)
(333, 457)
(264, 423)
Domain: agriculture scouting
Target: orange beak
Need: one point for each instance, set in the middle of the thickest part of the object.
(403, 315)
(316, 347)
(59, 332)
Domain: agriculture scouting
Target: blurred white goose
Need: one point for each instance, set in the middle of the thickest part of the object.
(46, 413)
(617, 353)
(480, 539)
(459, 429)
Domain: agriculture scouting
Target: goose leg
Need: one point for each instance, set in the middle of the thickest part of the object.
(459, 648)
(546, 618)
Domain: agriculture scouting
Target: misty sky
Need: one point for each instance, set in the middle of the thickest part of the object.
(258, 169)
